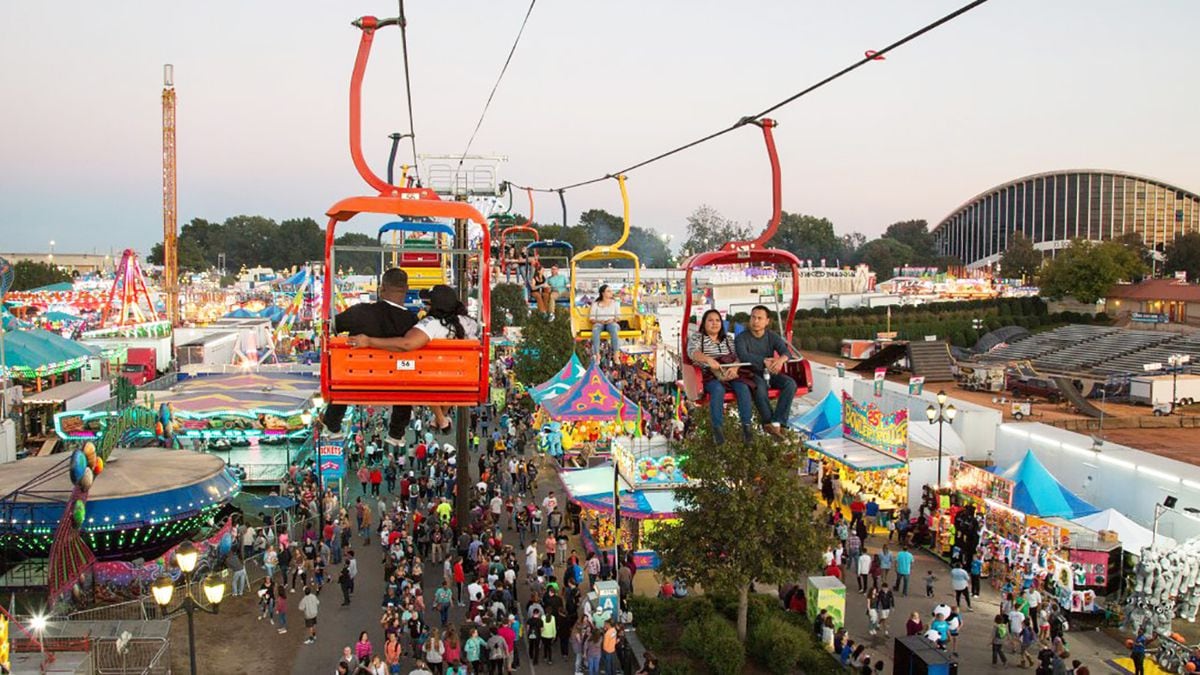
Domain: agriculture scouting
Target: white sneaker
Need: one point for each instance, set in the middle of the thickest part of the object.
(281, 631)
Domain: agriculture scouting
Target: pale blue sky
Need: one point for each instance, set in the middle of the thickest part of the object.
(1014, 87)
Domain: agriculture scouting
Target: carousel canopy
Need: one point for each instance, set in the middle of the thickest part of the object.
(33, 350)
(1038, 493)
(560, 383)
(593, 398)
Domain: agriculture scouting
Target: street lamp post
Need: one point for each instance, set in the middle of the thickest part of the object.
(163, 588)
(938, 415)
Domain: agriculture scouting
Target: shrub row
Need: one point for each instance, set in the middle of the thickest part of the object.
(714, 641)
(959, 330)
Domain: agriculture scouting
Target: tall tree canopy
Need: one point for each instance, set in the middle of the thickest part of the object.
(884, 254)
(747, 518)
(29, 274)
(810, 238)
(708, 230)
(1086, 270)
(915, 235)
(1020, 260)
(1183, 255)
(247, 241)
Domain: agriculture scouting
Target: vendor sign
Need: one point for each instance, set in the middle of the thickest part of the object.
(867, 424)
(977, 482)
(331, 460)
(880, 374)
(916, 385)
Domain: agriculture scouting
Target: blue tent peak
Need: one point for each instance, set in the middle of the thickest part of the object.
(1040, 494)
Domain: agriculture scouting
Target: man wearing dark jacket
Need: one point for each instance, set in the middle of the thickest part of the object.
(386, 317)
(767, 353)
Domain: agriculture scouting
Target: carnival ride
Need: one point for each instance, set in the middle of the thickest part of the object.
(122, 306)
(445, 372)
(741, 254)
(418, 252)
(634, 325)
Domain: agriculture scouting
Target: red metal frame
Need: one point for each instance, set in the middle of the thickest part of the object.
(743, 253)
(400, 201)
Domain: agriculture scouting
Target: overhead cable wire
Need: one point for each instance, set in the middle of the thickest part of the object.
(753, 119)
(496, 86)
(412, 133)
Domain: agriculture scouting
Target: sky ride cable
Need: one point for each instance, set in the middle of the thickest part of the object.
(869, 56)
(495, 86)
(412, 133)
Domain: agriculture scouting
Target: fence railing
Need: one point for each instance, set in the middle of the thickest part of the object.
(141, 656)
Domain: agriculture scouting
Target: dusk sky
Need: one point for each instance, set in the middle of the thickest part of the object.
(1013, 87)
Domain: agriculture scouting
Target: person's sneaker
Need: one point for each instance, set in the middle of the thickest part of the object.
(260, 617)
(281, 631)
(747, 434)
(718, 437)
(272, 620)
(309, 641)
(774, 430)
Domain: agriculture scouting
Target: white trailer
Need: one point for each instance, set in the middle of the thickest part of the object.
(1155, 390)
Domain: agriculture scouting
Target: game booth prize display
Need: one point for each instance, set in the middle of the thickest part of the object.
(647, 472)
(1019, 525)
(871, 454)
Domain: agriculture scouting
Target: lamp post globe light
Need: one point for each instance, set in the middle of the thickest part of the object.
(163, 589)
(940, 414)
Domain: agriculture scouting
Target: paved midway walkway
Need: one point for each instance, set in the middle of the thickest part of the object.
(339, 627)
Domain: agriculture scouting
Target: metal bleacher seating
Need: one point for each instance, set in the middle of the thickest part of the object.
(1051, 342)
(1110, 346)
(1131, 363)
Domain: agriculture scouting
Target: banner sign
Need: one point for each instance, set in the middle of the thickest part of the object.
(1149, 317)
(916, 385)
(880, 374)
(331, 460)
(867, 424)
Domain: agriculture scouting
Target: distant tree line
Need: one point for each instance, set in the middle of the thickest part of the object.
(905, 243)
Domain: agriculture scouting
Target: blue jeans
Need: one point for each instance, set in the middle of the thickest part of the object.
(613, 333)
(716, 401)
(608, 663)
(783, 405)
(239, 581)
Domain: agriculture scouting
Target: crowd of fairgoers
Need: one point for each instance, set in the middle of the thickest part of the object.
(522, 589)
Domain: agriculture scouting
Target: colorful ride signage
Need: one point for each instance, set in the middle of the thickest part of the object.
(887, 433)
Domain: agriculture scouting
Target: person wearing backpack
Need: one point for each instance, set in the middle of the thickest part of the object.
(497, 650)
(999, 635)
(1028, 638)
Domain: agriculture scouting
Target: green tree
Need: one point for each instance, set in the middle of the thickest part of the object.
(362, 262)
(884, 254)
(29, 274)
(508, 302)
(1086, 270)
(708, 230)
(810, 238)
(1183, 255)
(188, 254)
(578, 237)
(546, 346)
(851, 243)
(747, 518)
(297, 241)
(915, 235)
(1020, 260)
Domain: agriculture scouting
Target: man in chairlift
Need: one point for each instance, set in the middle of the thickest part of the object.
(558, 283)
(767, 354)
(384, 318)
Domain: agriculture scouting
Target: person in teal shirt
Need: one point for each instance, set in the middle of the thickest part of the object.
(904, 561)
(558, 283)
(473, 650)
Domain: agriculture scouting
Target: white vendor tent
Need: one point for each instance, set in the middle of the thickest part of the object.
(1134, 537)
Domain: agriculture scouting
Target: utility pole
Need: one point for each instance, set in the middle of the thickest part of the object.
(170, 232)
(462, 414)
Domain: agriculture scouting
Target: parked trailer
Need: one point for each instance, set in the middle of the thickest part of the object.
(1156, 390)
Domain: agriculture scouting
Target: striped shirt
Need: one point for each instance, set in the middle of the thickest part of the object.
(708, 346)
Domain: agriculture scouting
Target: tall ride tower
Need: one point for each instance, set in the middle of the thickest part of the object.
(170, 231)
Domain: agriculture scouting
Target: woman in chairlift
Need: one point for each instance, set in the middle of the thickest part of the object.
(712, 349)
(603, 315)
(446, 320)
